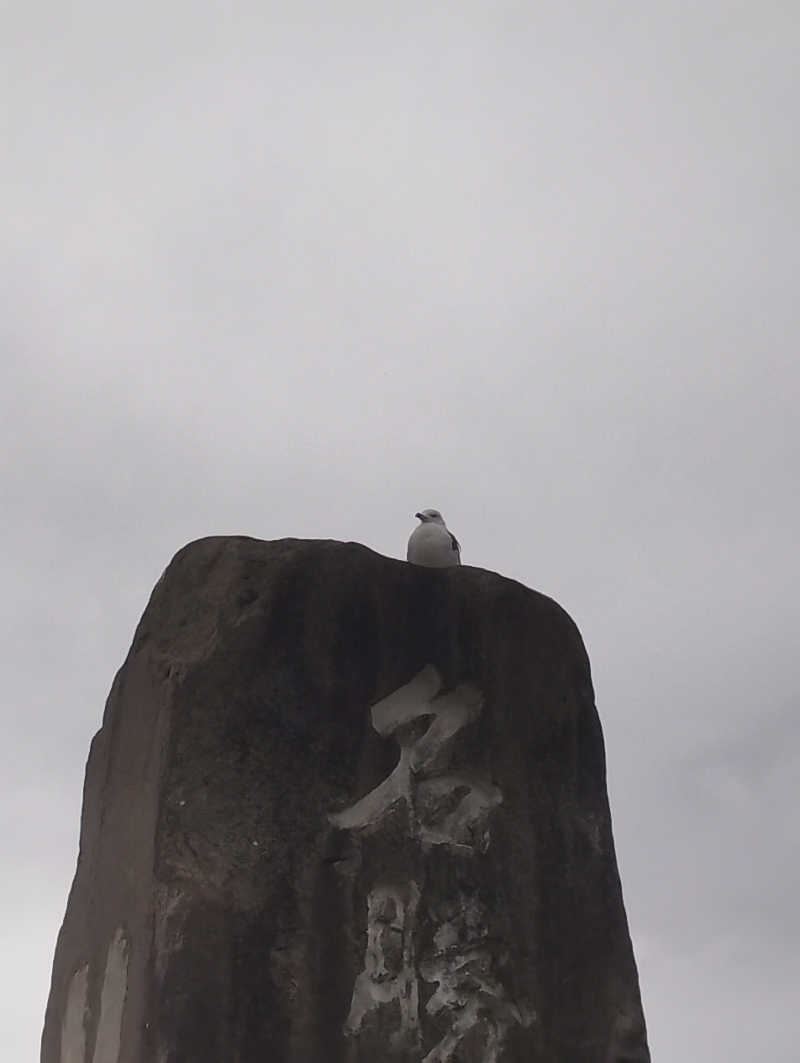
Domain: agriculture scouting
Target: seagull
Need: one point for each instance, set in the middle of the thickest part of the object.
(432, 544)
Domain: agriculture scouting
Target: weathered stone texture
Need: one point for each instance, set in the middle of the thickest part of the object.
(345, 810)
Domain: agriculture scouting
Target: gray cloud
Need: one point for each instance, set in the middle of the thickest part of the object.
(301, 272)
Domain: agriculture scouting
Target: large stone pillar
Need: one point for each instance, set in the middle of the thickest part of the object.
(345, 810)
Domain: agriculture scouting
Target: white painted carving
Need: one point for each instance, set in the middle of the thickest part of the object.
(445, 807)
(112, 1001)
(73, 1030)
(389, 971)
(464, 965)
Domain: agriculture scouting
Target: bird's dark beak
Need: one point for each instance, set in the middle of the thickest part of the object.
(419, 516)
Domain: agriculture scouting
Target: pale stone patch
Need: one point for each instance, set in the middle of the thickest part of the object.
(112, 1001)
(73, 1030)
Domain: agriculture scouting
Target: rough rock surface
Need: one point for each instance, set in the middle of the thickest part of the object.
(345, 810)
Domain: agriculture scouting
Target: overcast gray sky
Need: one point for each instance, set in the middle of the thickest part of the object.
(304, 268)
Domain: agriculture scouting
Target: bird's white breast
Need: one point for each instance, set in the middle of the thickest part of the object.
(432, 545)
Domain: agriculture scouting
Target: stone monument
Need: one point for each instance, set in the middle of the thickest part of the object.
(343, 809)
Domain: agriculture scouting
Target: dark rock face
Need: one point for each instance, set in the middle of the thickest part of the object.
(345, 810)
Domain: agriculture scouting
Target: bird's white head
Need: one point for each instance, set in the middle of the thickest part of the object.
(430, 516)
